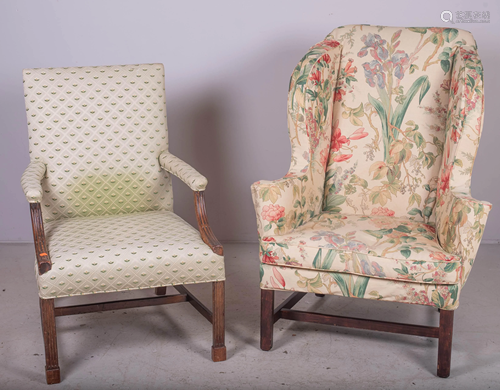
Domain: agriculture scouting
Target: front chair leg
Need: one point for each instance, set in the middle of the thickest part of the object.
(218, 321)
(52, 371)
(266, 319)
(160, 290)
(445, 339)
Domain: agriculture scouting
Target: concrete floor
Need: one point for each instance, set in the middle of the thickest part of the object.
(169, 347)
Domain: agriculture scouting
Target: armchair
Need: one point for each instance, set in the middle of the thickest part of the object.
(384, 124)
(101, 202)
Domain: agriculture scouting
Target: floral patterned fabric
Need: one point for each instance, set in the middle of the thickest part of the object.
(460, 218)
(461, 227)
(378, 246)
(382, 120)
(443, 296)
(290, 202)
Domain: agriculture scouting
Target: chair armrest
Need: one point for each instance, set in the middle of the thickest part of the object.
(31, 181)
(197, 183)
(32, 187)
(460, 222)
(285, 203)
(42, 254)
(183, 171)
(207, 235)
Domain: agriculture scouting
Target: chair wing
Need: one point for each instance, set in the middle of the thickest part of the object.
(460, 218)
(284, 204)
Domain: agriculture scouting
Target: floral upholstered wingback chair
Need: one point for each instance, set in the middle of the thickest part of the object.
(100, 194)
(385, 124)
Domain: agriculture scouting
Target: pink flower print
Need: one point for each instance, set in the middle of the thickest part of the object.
(280, 279)
(337, 138)
(323, 157)
(342, 157)
(444, 181)
(442, 256)
(316, 77)
(269, 257)
(383, 211)
(273, 212)
(328, 43)
(358, 134)
(326, 58)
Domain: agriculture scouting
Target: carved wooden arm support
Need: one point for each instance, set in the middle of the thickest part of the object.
(42, 254)
(207, 235)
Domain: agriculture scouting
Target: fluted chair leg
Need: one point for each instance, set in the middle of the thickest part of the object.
(218, 321)
(52, 370)
(445, 341)
(266, 319)
(160, 290)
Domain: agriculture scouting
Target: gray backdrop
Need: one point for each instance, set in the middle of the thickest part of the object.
(227, 67)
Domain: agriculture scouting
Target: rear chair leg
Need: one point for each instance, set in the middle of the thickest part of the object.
(52, 371)
(266, 319)
(218, 321)
(160, 290)
(445, 339)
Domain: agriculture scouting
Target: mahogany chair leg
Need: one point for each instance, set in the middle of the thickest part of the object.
(445, 340)
(52, 371)
(160, 290)
(266, 319)
(218, 321)
(320, 295)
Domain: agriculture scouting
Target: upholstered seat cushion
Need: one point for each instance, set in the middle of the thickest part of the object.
(444, 296)
(378, 246)
(125, 252)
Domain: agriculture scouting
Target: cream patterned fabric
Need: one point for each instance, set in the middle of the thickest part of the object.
(31, 181)
(291, 201)
(96, 135)
(125, 252)
(384, 124)
(99, 130)
(354, 286)
(376, 246)
(461, 222)
(183, 171)
(460, 218)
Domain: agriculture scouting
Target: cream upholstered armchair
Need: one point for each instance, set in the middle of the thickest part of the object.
(100, 193)
(384, 124)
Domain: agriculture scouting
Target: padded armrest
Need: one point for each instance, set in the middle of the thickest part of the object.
(183, 171)
(31, 181)
(460, 223)
(283, 204)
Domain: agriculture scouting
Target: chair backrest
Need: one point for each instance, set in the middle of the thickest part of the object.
(390, 117)
(99, 130)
